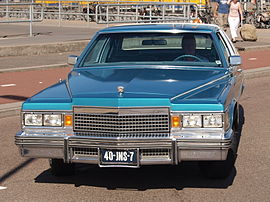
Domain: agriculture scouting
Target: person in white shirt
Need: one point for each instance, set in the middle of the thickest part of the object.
(235, 12)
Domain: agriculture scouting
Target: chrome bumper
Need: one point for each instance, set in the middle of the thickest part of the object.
(151, 150)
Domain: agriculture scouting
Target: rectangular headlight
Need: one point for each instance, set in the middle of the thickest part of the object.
(52, 120)
(33, 119)
(192, 121)
(212, 121)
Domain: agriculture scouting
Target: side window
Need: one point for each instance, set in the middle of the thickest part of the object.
(93, 55)
(224, 47)
(230, 46)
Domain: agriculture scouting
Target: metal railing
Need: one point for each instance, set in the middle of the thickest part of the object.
(85, 10)
(21, 12)
(146, 12)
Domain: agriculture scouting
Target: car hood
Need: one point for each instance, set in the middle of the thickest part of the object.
(165, 82)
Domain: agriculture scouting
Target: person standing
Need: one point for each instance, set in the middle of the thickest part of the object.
(213, 5)
(235, 12)
(222, 10)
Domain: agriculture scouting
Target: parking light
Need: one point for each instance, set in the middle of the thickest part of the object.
(68, 120)
(175, 121)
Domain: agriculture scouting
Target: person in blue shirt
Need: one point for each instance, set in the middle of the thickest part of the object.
(222, 11)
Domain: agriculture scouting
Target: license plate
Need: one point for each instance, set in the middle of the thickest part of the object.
(118, 157)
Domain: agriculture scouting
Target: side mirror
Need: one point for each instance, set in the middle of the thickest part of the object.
(235, 60)
(72, 59)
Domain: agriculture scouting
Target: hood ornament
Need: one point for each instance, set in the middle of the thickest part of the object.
(120, 90)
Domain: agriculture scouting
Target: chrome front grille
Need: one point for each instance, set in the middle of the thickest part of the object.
(121, 121)
(124, 135)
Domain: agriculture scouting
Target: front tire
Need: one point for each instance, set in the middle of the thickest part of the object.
(218, 169)
(59, 168)
(222, 169)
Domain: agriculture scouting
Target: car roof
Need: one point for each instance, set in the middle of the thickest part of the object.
(170, 27)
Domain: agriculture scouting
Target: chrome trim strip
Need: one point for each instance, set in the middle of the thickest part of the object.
(174, 152)
(204, 141)
(122, 146)
(55, 110)
(169, 31)
(23, 144)
(156, 161)
(121, 110)
(66, 150)
(195, 112)
(118, 140)
(112, 136)
(195, 147)
(201, 86)
(68, 87)
(91, 160)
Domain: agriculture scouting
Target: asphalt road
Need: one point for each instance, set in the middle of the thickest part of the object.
(23, 179)
(12, 62)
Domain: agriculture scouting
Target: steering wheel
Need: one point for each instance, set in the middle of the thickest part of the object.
(188, 56)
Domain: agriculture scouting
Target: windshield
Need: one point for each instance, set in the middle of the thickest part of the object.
(192, 49)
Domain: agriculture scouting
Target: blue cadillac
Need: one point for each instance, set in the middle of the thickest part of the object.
(141, 95)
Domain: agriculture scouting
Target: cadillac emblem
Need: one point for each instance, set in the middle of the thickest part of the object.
(120, 89)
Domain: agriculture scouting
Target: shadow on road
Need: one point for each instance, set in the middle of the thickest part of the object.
(15, 170)
(14, 97)
(241, 118)
(186, 175)
(148, 177)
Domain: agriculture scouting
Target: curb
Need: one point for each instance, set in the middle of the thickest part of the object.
(20, 69)
(60, 47)
(258, 72)
(10, 109)
(39, 49)
(248, 48)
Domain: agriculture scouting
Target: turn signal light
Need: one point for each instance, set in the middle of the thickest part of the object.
(68, 120)
(175, 121)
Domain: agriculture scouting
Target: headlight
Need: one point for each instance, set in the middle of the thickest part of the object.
(52, 120)
(212, 121)
(33, 119)
(192, 121)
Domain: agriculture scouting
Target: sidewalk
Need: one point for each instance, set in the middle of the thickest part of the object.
(262, 42)
(47, 38)
(72, 36)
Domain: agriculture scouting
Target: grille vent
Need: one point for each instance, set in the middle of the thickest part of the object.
(85, 151)
(120, 123)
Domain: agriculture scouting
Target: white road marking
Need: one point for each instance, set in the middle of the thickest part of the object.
(8, 85)
(252, 58)
(2, 188)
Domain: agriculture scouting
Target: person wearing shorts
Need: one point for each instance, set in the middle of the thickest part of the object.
(222, 11)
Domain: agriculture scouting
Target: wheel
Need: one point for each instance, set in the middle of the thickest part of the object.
(187, 56)
(59, 168)
(218, 169)
(222, 169)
